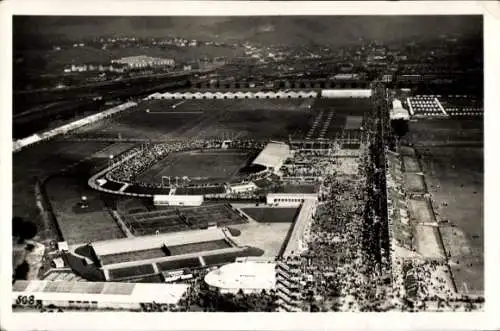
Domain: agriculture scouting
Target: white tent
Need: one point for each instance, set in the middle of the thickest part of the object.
(260, 95)
(198, 95)
(239, 95)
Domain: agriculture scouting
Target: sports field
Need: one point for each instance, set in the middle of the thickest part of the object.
(269, 237)
(453, 163)
(272, 215)
(198, 247)
(421, 211)
(455, 177)
(414, 183)
(427, 242)
(411, 164)
(173, 219)
(200, 166)
(208, 119)
(77, 225)
(39, 161)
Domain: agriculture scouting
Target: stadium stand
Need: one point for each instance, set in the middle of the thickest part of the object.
(273, 155)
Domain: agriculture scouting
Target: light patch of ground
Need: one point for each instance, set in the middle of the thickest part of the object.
(420, 211)
(92, 224)
(34, 259)
(427, 242)
(414, 183)
(266, 236)
(455, 176)
(114, 149)
(411, 164)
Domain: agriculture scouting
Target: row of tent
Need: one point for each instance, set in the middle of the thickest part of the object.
(38, 137)
(234, 95)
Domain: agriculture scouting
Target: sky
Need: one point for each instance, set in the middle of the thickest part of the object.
(277, 29)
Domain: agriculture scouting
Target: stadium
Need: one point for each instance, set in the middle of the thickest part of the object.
(208, 179)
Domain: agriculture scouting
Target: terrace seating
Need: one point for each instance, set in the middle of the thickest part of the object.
(425, 106)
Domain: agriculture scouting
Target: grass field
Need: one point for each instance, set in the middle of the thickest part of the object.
(39, 161)
(64, 194)
(414, 183)
(223, 258)
(427, 242)
(455, 178)
(132, 256)
(271, 215)
(192, 262)
(141, 270)
(411, 164)
(172, 219)
(421, 211)
(200, 167)
(237, 118)
(453, 163)
(429, 132)
(267, 236)
(198, 247)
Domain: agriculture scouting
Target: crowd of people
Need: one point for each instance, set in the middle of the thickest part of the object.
(143, 157)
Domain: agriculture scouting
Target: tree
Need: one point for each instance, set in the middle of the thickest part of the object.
(22, 270)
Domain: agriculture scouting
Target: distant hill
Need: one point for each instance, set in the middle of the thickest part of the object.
(287, 30)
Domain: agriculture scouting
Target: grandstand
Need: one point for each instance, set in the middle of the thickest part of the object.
(273, 155)
(97, 295)
(425, 105)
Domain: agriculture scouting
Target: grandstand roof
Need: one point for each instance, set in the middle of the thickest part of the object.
(243, 275)
(100, 291)
(273, 155)
(147, 242)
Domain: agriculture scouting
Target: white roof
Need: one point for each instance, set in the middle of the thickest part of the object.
(396, 104)
(177, 198)
(399, 113)
(148, 242)
(244, 275)
(273, 155)
(100, 291)
(347, 93)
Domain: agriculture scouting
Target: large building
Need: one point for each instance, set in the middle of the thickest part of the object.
(178, 200)
(248, 276)
(290, 198)
(96, 295)
(273, 155)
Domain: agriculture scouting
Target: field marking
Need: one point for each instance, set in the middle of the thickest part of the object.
(175, 112)
(178, 104)
(202, 261)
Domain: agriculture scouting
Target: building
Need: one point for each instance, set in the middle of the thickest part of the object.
(397, 112)
(178, 200)
(288, 284)
(248, 276)
(290, 198)
(273, 155)
(96, 295)
(243, 188)
(143, 61)
(346, 93)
